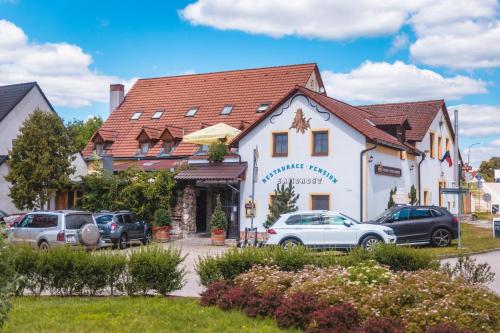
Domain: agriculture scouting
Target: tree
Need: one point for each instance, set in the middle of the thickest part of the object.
(486, 169)
(219, 219)
(412, 196)
(40, 160)
(283, 201)
(391, 202)
(8, 280)
(217, 152)
(81, 131)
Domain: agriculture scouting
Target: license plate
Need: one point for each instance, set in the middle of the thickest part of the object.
(71, 239)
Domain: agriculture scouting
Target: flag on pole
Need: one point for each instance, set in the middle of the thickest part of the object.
(447, 158)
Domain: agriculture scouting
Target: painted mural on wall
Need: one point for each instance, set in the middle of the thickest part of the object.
(299, 168)
(300, 123)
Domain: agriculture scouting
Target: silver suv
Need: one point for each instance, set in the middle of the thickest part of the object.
(53, 228)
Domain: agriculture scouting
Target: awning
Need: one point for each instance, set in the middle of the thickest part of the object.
(210, 134)
(214, 172)
(148, 165)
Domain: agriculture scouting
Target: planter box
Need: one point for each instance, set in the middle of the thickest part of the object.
(161, 234)
(218, 238)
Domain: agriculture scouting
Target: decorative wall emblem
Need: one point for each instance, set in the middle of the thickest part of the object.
(300, 123)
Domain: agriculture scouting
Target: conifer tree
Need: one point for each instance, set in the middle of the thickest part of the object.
(412, 196)
(283, 201)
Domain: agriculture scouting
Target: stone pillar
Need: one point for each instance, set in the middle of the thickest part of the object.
(188, 225)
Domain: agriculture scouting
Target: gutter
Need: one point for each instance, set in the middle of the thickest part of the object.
(361, 178)
(419, 183)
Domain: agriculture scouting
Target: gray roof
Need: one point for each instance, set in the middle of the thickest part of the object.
(12, 94)
(3, 158)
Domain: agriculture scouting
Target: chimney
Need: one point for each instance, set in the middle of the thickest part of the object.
(116, 93)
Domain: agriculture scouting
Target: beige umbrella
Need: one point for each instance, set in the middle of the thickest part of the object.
(210, 134)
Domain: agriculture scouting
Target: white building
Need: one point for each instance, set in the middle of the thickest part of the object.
(17, 102)
(346, 158)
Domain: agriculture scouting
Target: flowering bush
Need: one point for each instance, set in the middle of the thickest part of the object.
(342, 318)
(214, 292)
(368, 273)
(296, 310)
(422, 298)
(263, 305)
(383, 325)
(446, 328)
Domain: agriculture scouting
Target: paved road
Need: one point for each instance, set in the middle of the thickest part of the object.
(493, 259)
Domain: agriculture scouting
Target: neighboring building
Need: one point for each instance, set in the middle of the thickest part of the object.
(17, 102)
(339, 156)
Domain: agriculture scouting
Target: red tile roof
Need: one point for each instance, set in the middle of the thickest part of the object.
(245, 90)
(217, 172)
(356, 118)
(148, 165)
(420, 115)
(391, 120)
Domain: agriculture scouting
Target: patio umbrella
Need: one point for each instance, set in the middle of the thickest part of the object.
(210, 134)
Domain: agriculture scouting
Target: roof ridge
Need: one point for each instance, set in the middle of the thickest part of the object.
(227, 71)
(19, 84)
(398, 103)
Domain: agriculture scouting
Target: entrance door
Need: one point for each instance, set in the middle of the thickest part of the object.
(201, 211)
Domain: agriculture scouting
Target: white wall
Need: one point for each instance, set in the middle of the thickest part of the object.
(342, 161)
(9, 130)
(432, 168)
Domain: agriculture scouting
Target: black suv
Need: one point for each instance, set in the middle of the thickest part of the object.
(420, 224)
(122, 227)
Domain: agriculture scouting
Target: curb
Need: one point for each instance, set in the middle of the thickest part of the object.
(449, 256)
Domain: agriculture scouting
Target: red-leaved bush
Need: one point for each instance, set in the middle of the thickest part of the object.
(295, 311)
(236, 298)
(383, 325)
(342, 318)
(446, 328)
(214, 292)
(263, 305)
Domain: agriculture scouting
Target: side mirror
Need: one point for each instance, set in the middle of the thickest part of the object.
(388, 220)
(347, 223)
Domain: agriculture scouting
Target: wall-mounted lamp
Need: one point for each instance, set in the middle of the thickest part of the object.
(442, 174)
(412, 167)
(370, 159)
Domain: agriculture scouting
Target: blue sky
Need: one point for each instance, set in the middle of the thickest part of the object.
(367, 52)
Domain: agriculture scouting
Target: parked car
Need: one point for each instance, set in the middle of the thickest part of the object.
(13, 219)
(420, 224)
(122, 227)
(2, 215)
(53, 228)
(326, 229)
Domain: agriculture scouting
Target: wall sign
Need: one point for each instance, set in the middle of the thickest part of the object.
(299, 168)
(387, 171)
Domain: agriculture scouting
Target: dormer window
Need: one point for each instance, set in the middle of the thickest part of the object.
(202, 150)
(191, 112)
(157, 114)
(263, 107)
(144, 147)
(99, 148)
(227, 110)
(168, 147)
(136, 116)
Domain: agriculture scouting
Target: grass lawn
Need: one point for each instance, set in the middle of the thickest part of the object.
(126, 314)
(474, 239)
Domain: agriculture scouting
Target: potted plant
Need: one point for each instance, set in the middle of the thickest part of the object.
(218, 224)
(161, 225)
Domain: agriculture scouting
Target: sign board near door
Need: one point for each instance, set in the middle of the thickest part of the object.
(387, 171)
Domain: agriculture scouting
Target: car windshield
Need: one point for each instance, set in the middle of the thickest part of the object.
(350, 218)
(104, 219)
(384, 215)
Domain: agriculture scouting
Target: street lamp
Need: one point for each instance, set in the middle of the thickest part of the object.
(468, 152)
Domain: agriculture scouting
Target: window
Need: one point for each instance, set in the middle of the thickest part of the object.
(144, 147)
(76, 221)
(447, 144)
(431, 145)
(127, 218)
(99, 148)
(168, 146)
(280, 144)
(333, 219)
(293, 220)
(227, 110)
(402, 155)
(202, 150)
(119, 219)
(320, 202)
(320, 143)
(427, 198)
(157, 115)
(310, 219)
(136, 115)
(420, 213)
(104, 219)
(191, 112)
(43, 221)
(401, 215)
(440, 147)
(263, 107)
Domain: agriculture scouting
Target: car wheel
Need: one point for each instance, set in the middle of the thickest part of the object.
(148, 238)
(43, 245)
(290, 242)
(441, 238)
(123, 242)
(370, 242)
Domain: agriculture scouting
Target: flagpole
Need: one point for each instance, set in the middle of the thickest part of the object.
(458, 174)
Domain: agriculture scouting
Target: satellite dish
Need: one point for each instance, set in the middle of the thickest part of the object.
(487, 197)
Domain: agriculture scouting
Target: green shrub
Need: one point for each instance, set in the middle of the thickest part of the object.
(402, 258)
(469, 270)
(219, 219)
(154, 268)
(7, 281)
(162, 218)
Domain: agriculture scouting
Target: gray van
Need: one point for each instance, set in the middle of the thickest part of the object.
(54, 228)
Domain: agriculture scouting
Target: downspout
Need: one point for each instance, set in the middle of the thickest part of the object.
(419, 184)
(361, 179)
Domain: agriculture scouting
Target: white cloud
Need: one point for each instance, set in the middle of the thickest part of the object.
(478, 120)
(62, 70)
(480, 153)
(328, 19)
(399, 42)
(385, 82)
